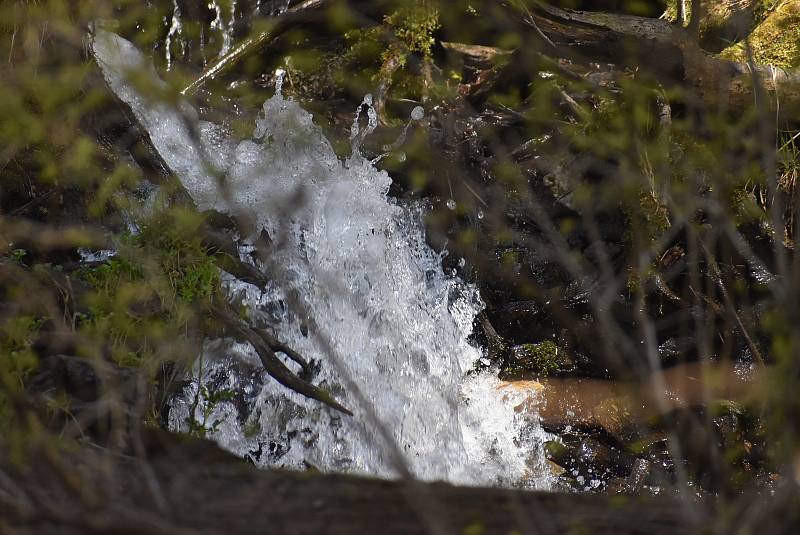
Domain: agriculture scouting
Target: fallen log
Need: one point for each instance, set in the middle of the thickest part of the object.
(635, 42)
(621, 408)
(194, 487)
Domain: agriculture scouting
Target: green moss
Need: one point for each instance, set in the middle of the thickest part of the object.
(776, 41)
(383, 51)
(160, 283)
(475, 528)
(647, 220)
(17, 358)
(671, 11)
(541, 358)
(415, 26)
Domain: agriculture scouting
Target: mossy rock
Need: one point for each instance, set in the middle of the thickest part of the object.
(776, 41)
(541, 359)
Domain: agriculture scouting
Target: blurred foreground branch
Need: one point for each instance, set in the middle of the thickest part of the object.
(206, 489)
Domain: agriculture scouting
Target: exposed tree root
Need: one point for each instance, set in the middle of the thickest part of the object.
(266, 346)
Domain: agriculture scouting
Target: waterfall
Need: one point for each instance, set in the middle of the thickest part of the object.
(354, 286)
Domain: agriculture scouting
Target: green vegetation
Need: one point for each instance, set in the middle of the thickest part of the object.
(776, 40)
(160, 283)
(540, 359)
(17, 359)
(209, 401)
(414, 26)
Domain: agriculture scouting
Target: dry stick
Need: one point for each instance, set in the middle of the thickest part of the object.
(150, 477)
(579, 112)
(287, 20)
(729, 303)
(532, 23)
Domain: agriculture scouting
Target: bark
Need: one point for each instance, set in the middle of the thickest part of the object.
(670, 54)
(194, 487)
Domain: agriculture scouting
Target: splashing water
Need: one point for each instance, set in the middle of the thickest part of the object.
(174, 34)
(356, 263)
(225, 28)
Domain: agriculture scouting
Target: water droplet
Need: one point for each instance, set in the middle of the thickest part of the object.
(480, 213)
(401, 156)
(451, 204)
(279, 74)
(462, 262)
(417, 113)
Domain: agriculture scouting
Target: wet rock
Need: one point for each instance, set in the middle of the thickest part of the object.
(589, 463)
(634, 482)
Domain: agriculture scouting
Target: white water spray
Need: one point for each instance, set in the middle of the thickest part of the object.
(357, 263)
(174, 34)
(224, 27)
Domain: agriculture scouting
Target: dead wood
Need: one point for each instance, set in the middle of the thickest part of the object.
(667, 52)
(203, 490)
(266, 346)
